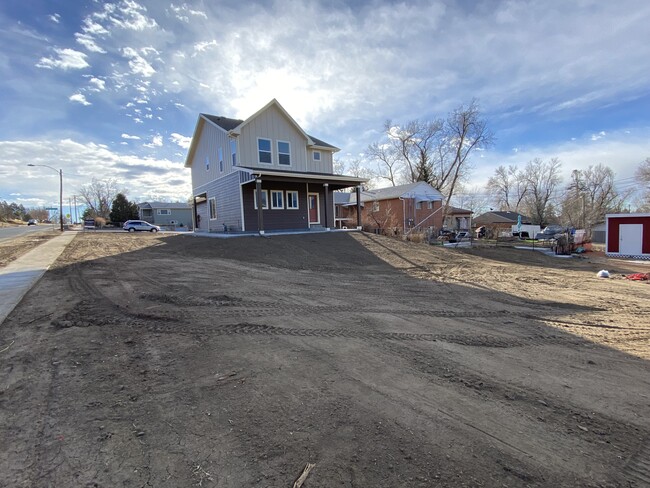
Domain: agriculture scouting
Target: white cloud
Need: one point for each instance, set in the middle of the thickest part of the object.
(137, 63)
(89, 43)
(127, 15)
(139, 176)
(97, 84)
(180, 140)
(156, 141)
(56, 18)
(79, 98)
(200, 47)
(64, 59)
(127, 136)
(600, 135)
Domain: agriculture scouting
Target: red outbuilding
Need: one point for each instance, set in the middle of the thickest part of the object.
(628, 235)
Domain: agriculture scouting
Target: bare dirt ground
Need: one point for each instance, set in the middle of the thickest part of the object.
(11, 249)
(170, 361)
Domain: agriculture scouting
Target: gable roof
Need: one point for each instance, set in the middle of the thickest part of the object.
(457, 211)
(234, 126)
(496, 217)
(420, 190)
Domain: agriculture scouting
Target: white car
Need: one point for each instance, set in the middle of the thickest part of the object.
(139, 225)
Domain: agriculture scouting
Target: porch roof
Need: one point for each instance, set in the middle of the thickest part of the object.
(336, 182)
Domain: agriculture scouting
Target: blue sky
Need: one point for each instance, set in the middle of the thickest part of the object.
(114, 89)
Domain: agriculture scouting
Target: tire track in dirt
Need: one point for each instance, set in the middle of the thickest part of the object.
(637, 470)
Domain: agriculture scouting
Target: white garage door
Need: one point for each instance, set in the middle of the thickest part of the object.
(630, 238)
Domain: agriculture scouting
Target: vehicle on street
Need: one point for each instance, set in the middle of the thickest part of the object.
(139, 225)
(32, 222)
(550, 232)
(462, 235)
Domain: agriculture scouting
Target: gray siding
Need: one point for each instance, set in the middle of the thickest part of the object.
(180, 216)
(227, 192)
(210, 138)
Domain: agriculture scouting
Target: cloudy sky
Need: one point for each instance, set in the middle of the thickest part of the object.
(104, 89)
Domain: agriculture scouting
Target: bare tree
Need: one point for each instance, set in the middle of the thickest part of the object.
(389, 164)
(590, 195)
(466, 131)
(473, 199)
(643, 175)
(98, 196)
(509, 187)
(542, 179)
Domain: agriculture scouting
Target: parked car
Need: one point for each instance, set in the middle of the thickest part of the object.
(139, 225)
(462, 235)
(550, 232)
(32, 222)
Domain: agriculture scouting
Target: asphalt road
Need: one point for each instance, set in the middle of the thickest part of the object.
(19, 230)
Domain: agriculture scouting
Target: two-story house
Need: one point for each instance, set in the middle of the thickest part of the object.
(262, 173)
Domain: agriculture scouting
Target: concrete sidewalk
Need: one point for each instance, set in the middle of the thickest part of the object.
(18, 277)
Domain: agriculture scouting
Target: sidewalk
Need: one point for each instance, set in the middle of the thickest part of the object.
(18, 277)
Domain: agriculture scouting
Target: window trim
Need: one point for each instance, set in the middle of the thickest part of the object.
(277, 146)
(270, 151)
(161, 210)
(375, 206)
(220, 158)
(210, 200)
(297, 207)
(233, 151)
(319, 158)
(281, 206)
(266, 197)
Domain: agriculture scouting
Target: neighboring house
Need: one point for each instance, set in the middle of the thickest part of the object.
(345, 204)
(267, 159)
(396, 209)
(166, 214)
(497, 222)
(628, 235)
(458, 219)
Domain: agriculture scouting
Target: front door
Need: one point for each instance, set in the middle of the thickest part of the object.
(630, 239)
(314, 214)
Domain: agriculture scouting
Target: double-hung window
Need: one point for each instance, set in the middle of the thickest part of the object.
(213, 208)
(292, 200)
(265, 199)
(264, 151)
(317, 156)
(284, 153)
(164, 211)
(277, 200)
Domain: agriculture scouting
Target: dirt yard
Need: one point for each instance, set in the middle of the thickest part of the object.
(177, 361)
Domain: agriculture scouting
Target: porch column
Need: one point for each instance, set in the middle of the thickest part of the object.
(260, 206)
(358, 207)
(326, 186)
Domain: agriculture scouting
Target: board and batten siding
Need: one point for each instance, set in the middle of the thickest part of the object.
(211, 138)
(227, 192)
(274, 125)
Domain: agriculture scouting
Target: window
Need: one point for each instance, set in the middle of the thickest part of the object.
(220, 154)
(284, 153)
(316, 155)
(233, 151)
(292, 200)
(277, 200)
(213, 208)
(264, 151)
(164, 211)
(375, 206)
(429, 205)
(418, 205)
(265, 199)
(207, 163)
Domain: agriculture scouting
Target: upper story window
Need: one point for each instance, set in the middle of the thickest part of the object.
(316, 155)
(207, 163)
(284, 153)
(220, 155)
(233, 151)
(264, 151)
(164, 211)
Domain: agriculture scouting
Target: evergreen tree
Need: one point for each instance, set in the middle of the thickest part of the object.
(123, 210)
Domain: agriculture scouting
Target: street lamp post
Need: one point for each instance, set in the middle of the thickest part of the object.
(60, 171)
